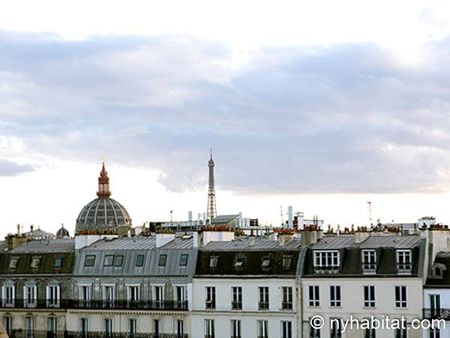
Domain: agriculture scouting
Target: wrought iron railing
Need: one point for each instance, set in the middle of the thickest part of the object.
(97, 304)
(79, 334)
(441, 313)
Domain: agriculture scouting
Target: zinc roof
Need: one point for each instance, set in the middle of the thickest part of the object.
(251, 244)
(46, 245)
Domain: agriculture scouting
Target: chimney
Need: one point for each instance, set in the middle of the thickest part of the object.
(361, 234)
(217, 236)
(163, 239)
(31, 227)
(290, 217)
(311, 235)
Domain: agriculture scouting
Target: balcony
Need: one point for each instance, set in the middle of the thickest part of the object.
(100, 304)
(78, 334)
(436, 314)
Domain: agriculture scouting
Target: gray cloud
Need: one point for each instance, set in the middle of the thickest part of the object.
(8, 168)
(346, 118)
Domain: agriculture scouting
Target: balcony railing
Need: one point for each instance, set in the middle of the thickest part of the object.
(90, 334)
(99, 304)
(436, 314)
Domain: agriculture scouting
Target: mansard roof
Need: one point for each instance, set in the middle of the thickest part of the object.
(443, 260)
(132, 247)
(350, 256)
(244, 258)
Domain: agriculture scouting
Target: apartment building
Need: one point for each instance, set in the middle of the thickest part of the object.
(246, 288)
(362, 276)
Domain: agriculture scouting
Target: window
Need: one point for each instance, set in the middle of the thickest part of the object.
(286, 302)
(85, 293)
(210, 297)
(313, 331)
(13, 263)
(335, 328)
(9, 292)
(52, 326)
(180, 294)
(7, 323)
(29, 326)
(30, 292)
(84, 327)
(57, 263)
(404, 265)
(239, 262)
(369, 296)
(162, 260)
(235, 328)
(209, 328)
(184, 259)
(156, 327)
(53, 293)
(132, 328)
(369, 261)
(35, 262)
(133, 293)
(118, 261)
(263, 303)
(287, 261)
(435, 305)
(263, 329)
(179, 328)
(236, 302)
(286, 329)
(109, 260)
(401, 332)
(435, 333)
(370, 333)
(213, 261)
(314, 297)
(139, 261)
(326, 261)
(400, 296)
(265, 263)
(159, 297)
(335, 295)
(108, 328)
(89, 260)
(108, 296)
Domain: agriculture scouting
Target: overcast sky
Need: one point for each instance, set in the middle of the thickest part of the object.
(322, 105)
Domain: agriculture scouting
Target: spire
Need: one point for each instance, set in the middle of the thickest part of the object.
(103, 183)
(211, 211)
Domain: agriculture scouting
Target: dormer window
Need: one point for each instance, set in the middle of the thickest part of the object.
(184, 260)
(437, 271)
(239, 262)
(89, 260)
(287, 261)
(13, 263)
(404, 265)
(369, 261)
(162, 260)
(35, 262)
(58, 263)
(118, 261)
(265, 263)
(213, 261)
(109, 260)
(326, 261)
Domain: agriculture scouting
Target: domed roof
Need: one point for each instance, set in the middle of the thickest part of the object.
(103, 215)
(62, 233)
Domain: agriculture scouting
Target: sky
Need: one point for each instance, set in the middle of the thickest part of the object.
(322, 105)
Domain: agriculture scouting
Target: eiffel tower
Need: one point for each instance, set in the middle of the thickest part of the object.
(211, 210)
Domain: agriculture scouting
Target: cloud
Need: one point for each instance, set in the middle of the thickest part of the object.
(343, 118)
(8, 168)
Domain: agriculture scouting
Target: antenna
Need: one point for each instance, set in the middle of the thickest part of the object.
(369, 203)
(281, 216)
